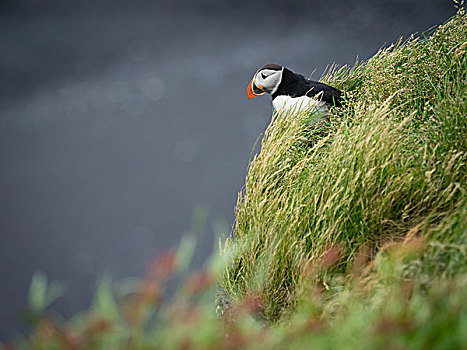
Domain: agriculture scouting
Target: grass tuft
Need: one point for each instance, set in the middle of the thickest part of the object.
(390, 164)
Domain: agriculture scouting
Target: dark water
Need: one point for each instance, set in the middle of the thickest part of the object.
(118, 119)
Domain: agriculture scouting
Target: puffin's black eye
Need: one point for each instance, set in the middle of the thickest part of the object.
(264, 76)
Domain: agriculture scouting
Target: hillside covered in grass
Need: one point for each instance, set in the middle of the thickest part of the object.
(350, 233)
(389, 167)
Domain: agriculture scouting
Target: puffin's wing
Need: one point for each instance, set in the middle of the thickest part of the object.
(328, 94)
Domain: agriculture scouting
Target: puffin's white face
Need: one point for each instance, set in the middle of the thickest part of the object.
(265, 80)
(268, 80)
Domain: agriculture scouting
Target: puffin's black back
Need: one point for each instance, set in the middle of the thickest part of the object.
(296, 85)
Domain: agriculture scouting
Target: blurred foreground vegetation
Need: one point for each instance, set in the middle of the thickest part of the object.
(349, 234)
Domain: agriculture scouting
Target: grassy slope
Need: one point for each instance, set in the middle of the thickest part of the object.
(352, 232)
(388, 167)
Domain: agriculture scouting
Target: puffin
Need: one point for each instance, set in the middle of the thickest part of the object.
(292, 92)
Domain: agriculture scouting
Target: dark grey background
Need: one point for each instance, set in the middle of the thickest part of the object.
(118, 118)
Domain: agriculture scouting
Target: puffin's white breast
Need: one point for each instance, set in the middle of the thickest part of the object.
(299, 104)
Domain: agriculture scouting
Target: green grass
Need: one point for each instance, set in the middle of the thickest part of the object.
(349, 234)
(389, 166)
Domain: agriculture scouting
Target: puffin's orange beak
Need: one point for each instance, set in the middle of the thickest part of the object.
(253, 90)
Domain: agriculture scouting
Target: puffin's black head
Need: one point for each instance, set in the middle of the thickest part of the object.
(266, 79)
